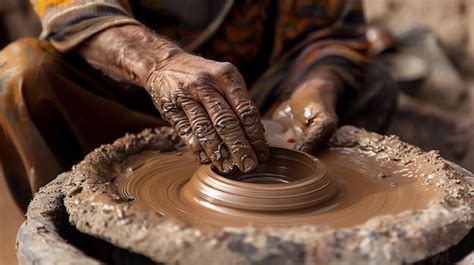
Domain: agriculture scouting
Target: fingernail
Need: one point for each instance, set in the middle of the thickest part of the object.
(249, 164)
(227, 166)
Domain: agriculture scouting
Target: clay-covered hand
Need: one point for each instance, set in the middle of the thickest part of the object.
(208, 105)
(206, 101)
(310, 111)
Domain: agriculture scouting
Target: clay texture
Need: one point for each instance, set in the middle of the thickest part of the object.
(39, 240)
(95, 207)
(341, 188)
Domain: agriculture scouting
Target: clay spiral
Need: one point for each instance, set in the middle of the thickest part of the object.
(288, 181)
(292, 188)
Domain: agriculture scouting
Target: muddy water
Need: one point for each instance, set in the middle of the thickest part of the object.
(346, 188)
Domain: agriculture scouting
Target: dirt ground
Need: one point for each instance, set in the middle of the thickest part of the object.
(10, 220)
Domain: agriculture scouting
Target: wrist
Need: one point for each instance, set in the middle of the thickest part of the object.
(146, 52)
(329, 79)
(128, 53)
(328, 87)
(159, 53)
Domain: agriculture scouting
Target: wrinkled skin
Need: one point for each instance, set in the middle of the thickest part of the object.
(310, 111)
(206, 101)
(208, 104)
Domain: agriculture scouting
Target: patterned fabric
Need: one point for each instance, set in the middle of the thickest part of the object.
(279, 42)
(66, 23)
(243, 37)
(340, 46)
(311, 35)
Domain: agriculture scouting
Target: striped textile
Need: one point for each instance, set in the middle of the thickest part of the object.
(66, 23)
(280, 42)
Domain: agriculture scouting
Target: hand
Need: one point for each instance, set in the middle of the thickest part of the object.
(208, 105)
(310, 111)
(206, 101)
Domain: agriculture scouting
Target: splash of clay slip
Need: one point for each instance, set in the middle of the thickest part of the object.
(345, 187)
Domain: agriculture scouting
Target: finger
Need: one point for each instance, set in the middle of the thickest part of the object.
(177, 118)
(320, 129)
(228, 127)
(236, 94)
(207, 136)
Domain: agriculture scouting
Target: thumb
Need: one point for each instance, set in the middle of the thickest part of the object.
(319, 130)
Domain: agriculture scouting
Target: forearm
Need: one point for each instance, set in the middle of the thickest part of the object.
(205, 101)
(128, 53)
(328, 86)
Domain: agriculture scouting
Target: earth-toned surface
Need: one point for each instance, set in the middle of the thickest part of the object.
(94, 207)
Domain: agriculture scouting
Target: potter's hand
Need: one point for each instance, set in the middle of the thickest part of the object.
(310, 111)
(208, 105)
(205, 101)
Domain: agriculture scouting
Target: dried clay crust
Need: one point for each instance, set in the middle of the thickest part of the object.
(95, 208)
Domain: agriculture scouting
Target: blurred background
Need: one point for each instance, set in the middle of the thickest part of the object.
(428, 45)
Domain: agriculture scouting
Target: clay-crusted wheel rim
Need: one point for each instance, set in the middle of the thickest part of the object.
(96, 208)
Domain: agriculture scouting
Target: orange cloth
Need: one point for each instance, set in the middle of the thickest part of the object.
(54, 110)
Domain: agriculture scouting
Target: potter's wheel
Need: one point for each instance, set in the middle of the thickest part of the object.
(292, 188)
(440, 220)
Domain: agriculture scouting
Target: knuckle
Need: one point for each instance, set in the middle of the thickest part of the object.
(227, 124)
(184, 99)
(165, 104)
(249, 115)
(226, 67)
(203, 78)
(217, 107)
(228, 71)
(168, 110)
(202, 85)
(203, 128)
(181, 126)
(239, 147)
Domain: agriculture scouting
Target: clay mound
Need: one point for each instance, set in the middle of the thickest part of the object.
(96, 208)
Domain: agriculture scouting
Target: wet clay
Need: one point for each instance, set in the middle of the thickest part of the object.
(402, 172)
(345, 187)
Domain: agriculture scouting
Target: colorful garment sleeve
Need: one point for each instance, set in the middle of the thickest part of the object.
(66, 23)
(323, 34)
(311, 35)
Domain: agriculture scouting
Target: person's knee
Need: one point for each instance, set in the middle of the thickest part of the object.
(23, 62)
(25, 56)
